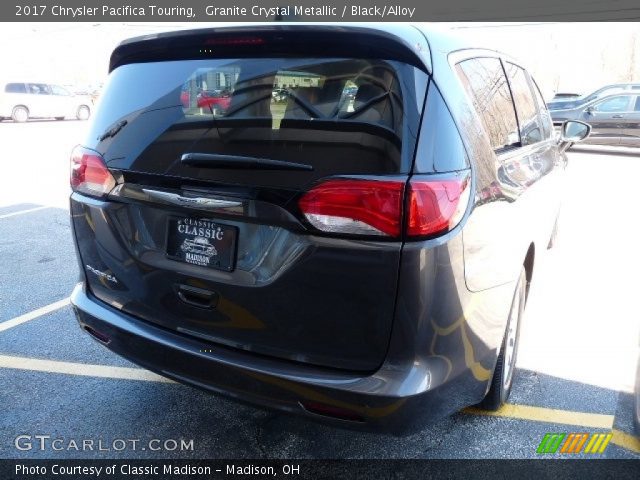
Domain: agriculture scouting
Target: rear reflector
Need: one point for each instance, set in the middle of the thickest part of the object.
(436, 206)
(375, 207)
(353, 206)
(102, 337)
(332, 411)
(89, 173)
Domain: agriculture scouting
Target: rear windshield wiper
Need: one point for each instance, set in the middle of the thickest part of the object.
(212, 160)
(113, 131)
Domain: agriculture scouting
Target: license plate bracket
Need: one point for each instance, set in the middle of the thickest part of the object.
(202, 242)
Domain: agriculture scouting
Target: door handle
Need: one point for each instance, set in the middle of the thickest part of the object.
(618, 116)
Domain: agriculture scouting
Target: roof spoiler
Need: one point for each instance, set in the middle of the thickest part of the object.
(276, 40)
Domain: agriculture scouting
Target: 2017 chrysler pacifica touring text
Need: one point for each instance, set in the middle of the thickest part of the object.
(356, 248)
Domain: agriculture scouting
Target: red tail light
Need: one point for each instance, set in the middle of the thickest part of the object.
(374, 207)
(89, 173)
(436, 206)
(365, 207)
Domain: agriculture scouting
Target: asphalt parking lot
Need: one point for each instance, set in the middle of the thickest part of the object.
(576, 360)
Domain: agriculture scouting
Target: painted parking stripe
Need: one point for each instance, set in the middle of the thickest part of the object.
(625, 440)
(20, 212)
(521, 412)
(551, 415)
(27, 317)
(85, 370)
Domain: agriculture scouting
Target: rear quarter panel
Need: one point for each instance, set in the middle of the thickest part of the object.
(514, 206)
(516, 193)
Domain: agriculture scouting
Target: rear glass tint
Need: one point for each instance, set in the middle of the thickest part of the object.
(343, 116)
(15, 88)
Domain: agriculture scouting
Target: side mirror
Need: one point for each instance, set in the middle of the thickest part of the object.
(574, 131)
(590, 110)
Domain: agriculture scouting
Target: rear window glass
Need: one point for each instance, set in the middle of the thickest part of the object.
(340, 115)
(15, 88)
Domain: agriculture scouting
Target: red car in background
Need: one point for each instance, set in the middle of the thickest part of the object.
(185, 98)
(216, 100)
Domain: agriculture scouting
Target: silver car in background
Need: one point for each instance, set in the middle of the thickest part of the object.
(22, 101)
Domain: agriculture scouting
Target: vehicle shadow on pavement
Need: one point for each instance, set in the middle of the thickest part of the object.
(78, 407)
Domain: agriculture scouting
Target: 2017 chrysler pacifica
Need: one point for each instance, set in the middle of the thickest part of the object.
(368, 255)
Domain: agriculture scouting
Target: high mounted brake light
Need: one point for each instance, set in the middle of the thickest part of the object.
(234, 41)
(89, 173)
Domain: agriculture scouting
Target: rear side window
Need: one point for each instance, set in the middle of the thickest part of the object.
(341, 115)
(528, 120)
(38, 89)
(545, 116)
(440, 148)
(15, 88)
(637, 106)
(614, 104)
(487, 86)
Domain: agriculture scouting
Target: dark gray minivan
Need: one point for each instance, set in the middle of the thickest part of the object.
(350, 236)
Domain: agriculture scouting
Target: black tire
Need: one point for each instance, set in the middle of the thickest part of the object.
(83, 112)
(500, 386)
(20, 114)
(59, 118)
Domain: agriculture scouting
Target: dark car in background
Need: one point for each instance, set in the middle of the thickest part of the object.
(564, 96)
(576, 102)
(615, 119)
(362, 262)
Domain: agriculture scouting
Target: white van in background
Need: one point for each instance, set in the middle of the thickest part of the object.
(22, 101)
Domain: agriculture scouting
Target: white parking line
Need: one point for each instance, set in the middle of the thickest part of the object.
(85, 370)
(20, 212)
(14, 322)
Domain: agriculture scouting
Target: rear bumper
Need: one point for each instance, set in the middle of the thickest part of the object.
(379, 401)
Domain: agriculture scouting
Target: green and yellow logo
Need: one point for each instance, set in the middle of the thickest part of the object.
(594, 443)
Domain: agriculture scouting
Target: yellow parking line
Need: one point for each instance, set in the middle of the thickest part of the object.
(521, 412)
(29, 210)
(102, 371)
(14, 322)
(625, 440)
(551, 415)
